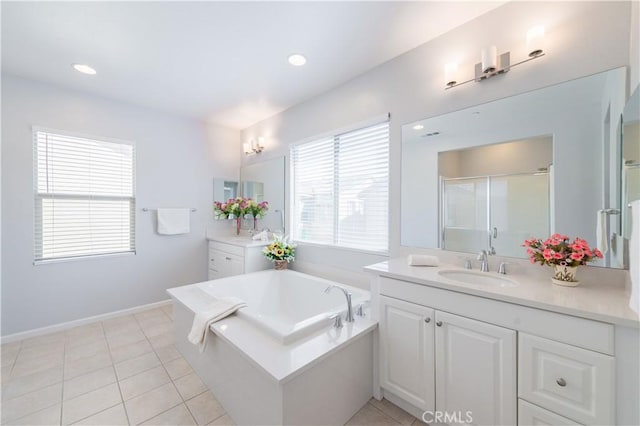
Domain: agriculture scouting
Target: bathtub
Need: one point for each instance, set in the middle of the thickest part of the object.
(286, 304)
(280, 360)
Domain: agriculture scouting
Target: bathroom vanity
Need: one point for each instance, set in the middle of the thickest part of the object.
(508, 349)
(235, 255)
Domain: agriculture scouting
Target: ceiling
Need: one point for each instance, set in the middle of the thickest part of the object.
(224, 62)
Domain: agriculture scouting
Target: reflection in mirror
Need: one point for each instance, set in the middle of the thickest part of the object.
(568, 125)
(223, 189)
(264, 181)
(630, 159)
(494, 197)
(253, 190)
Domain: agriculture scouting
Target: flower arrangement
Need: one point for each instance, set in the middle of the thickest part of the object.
(232, 208)
(280, 250)
(257, 210)
(560, 250)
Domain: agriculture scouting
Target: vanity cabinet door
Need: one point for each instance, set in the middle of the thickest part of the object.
(407, 352)
(475, 370)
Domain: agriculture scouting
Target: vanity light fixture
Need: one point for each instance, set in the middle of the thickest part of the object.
(418, 127)
(253, 146)
(492, 64)
(84, 69)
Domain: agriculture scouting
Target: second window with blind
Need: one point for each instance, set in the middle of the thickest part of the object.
(341, 189)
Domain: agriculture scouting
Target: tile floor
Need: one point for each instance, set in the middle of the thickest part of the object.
(119, 372)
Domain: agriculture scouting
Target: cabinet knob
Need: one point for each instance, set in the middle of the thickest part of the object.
(227, 258)
(427, 320)
(439, 323)
(561, 382)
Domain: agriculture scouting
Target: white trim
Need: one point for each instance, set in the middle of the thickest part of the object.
(82, 321)
(302, 243)
(379, 119)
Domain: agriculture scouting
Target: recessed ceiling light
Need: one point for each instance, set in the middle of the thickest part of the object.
(297, 60)
(418, 127)
(84, 69)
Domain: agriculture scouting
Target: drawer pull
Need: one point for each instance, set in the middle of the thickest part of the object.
(439, 323)
(561, 382)
(227, 258)
(427, 320)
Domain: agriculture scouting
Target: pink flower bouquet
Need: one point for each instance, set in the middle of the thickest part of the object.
(560, 250)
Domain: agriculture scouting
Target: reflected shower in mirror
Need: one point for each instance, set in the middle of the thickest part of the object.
(458, 181)
(494, 197)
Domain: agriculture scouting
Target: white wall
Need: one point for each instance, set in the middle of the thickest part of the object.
(583, 38)
(176, 161)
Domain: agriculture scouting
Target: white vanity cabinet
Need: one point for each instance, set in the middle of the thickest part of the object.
(407, 347)
(229, 256)
(448, 352)
(438, 361)
(475, 369)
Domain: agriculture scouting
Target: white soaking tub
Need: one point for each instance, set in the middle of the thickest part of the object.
(280, 360)
(286, 304)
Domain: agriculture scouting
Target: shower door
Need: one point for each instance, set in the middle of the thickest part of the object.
(519, 209)
(465, 214)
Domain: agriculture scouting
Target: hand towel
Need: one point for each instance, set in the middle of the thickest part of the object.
(262, 236)
(602, 238)
(217, 310)
(173, 221)
(423, 260)
(634, 257)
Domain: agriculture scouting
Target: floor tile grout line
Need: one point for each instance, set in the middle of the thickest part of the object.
(176, 388)
(378, 409)
(115, 373)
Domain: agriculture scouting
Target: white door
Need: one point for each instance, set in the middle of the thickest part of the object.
(407, 352)
(475, 371)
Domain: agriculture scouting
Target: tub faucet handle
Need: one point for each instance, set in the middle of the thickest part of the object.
(337, 321)
(360, 310)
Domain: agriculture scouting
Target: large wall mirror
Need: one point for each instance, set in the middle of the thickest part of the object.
(490, 176)
(264, 181)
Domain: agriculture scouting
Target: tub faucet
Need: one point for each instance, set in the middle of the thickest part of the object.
(349, 317)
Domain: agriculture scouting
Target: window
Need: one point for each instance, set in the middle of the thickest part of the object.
(84, 196)
(341, 189)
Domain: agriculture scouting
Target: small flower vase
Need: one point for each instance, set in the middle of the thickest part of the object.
(565, 276)
(255, 223)
(280, 265)
(238, 225)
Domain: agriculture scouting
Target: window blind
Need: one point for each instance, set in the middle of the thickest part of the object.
(341, 189)
(84, 196)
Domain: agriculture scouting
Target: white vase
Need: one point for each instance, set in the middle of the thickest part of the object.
(565, 276)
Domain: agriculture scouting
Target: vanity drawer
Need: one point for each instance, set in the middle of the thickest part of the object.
(227, 248)
(573, 382)
(530, 415)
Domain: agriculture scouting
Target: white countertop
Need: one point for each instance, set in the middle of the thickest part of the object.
(239, 240)
(281, 362)
(597, 301)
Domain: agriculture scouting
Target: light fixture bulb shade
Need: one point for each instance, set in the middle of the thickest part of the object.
(535, 41)
(489, 57)
(451, 74)
(246, 147)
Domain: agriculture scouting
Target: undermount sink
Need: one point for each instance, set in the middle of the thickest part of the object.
(477, 278)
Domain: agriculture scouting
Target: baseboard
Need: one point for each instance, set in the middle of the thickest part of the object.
(82, 321)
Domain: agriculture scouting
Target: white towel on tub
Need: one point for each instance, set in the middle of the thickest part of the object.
(217, 310)
(173, 221)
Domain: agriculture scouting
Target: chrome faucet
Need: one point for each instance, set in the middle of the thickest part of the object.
(349, 317)
(484, 262)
